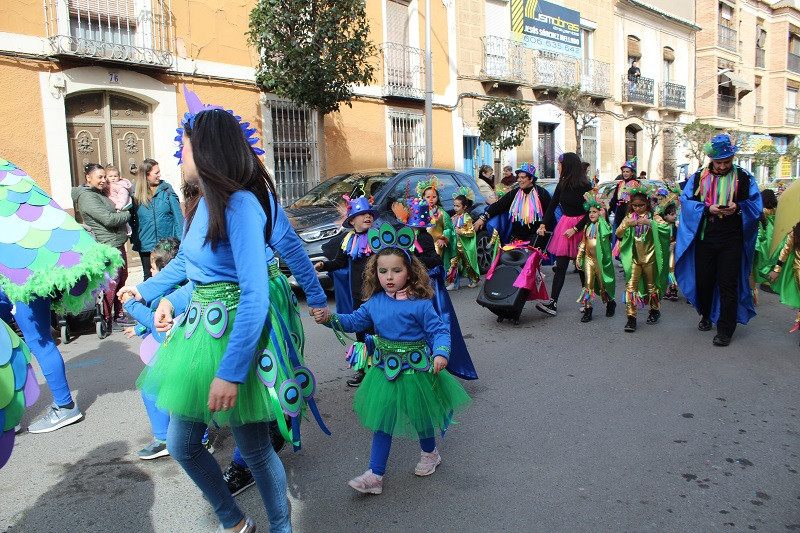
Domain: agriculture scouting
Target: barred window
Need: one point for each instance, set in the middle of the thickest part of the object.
(294, 149)
(407, 148)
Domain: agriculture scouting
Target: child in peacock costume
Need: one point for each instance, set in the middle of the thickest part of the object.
(644, 251)
(668, 206)
(404, 394)
(465, 262)
(18, 387)
(594, 258)
(783, 271)
(442, 230)
(761, 256)
(47, 261)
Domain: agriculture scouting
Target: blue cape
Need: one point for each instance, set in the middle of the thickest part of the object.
(460, 363)
(688, 231)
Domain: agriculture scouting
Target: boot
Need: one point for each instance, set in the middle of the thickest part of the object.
(653, 317)
(630, 326)
(356, 380)
(611, 307)
(587, 315)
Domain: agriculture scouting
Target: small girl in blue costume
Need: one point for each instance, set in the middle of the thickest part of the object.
(227, 358)
(405, 393)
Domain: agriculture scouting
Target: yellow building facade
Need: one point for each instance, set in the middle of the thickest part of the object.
(99, 81)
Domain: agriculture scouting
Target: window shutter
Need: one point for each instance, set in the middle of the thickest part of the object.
(634, 47)
(103, 10)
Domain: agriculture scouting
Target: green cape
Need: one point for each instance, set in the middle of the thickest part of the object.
(762, 255)
(661, 237)
(784, 285)
(604, 257)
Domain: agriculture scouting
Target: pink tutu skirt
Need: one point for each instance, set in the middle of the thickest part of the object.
(561, 245)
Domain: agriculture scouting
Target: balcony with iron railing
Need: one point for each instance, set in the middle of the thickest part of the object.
(503, 59)
(761, 57)
(727, 38)
(637, 91)
(554, 71)
(793, 62)
(672, 95)
(792, 117)
(136, 32)
(758, 117)
(596, 78)
(404, 69)
(726, 106)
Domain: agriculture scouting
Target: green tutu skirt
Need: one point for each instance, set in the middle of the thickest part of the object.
(415, 404)
(180, 374)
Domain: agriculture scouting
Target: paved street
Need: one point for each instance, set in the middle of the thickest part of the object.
(575, 428)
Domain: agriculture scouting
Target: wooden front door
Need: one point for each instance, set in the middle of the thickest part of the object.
(107, 128)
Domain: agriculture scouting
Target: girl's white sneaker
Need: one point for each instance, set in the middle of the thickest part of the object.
(428, 462)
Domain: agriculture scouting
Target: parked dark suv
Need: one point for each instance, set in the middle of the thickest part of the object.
(317, 221)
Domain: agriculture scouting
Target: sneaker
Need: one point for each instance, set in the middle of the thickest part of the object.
(356, 380)
(238, 478)
(653, 317)
(450, 287)
(208, 446)
(367, 483)
(587, 315)
(630, 326)
(155, 449)
(248, 527)
(472, 284)
(427, 463)
(56, 418)
(17, 428)
(124, 321)
(548, 308)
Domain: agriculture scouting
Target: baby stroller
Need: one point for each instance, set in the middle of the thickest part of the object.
(93, 311)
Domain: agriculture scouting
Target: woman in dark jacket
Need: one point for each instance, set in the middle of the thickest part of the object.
(108, 225)
(156, 212)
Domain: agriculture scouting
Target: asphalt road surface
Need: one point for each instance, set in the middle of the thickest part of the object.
(574, 428)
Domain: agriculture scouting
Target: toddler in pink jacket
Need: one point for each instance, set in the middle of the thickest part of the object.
(118, 190)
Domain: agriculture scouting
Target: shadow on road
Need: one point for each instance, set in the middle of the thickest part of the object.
(101, 492)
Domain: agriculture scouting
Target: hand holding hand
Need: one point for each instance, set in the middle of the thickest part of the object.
(319, 266)
(321, 314)
(129, 289)
(441, 243)
(163, 316)
(126, 297)
(222, 395)
(439, 363)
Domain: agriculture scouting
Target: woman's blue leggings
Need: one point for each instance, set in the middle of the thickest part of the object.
(33, 320)
(382, 445)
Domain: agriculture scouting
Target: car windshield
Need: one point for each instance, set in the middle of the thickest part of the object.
(329, 192)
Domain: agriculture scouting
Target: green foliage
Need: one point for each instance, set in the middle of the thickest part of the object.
(767, 156)
(697, 134)
(312, 51)
(792, 152)
(504, 123)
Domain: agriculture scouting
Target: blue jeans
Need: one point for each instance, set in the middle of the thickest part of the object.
(33, 320)
(184, 444)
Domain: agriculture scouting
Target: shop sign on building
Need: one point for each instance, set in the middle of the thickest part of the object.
(542, 25)
(755, 142)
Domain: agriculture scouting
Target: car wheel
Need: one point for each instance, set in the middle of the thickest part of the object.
(484, 251)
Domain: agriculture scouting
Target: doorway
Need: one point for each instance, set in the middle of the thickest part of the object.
(107, 128)
(631, 142)
(547, 151)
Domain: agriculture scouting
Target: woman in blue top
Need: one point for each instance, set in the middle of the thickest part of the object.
(156, 212)
(226, 360)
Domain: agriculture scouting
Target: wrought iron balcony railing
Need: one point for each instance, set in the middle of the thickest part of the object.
(792, 117)
(758, 117)
(672, 95)
(404, 68)
(726, 106)
(727, 38)
(553, 70)
(793, 62)
(637, 90)
(503, 59)
(123, 31)
(596, 78)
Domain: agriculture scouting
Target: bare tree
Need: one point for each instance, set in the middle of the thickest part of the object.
(580, 107)
(697, 134)
(654, 131)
